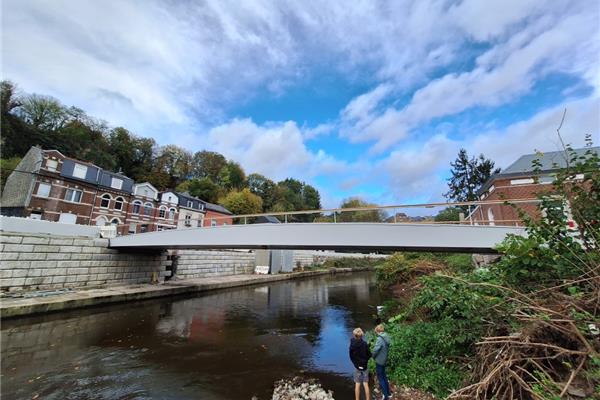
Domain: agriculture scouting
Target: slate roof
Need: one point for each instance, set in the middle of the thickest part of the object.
(550, 161)
(217, 208)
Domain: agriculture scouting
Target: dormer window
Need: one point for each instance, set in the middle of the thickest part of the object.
(51, 165)
(190, 203)
(116, 183)
(79, 171)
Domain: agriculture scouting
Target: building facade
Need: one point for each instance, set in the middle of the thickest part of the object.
(521, 180)
(50, 186)
(191, 211)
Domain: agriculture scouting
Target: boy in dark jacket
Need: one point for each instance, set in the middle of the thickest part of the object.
(360, 354)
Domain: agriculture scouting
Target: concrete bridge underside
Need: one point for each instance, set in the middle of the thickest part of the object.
(326, 236)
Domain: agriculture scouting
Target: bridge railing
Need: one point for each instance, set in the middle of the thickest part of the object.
(471, 213)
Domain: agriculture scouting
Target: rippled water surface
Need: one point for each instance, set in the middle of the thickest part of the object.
(230, 344)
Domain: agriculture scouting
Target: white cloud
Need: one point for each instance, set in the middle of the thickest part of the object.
(553, 43)
(276, 150)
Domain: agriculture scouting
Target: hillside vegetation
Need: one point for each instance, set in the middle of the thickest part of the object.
(526, 327)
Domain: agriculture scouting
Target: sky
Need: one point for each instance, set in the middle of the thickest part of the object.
(363, 98)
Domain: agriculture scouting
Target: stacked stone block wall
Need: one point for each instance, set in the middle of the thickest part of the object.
(47, 262)
(207, 263)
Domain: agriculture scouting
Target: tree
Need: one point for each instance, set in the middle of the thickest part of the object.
(311, 197)
(203, 188)
(174, 161)
(264, 188)
(43, 112)
(448, 214)
(232, 176)
(208, 164)
(242, 202)
(468, 175)
(7, 166)
(359, 216)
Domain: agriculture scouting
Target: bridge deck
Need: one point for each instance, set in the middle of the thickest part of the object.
(326, 236)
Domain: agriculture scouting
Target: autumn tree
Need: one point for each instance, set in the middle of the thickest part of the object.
(242, 202)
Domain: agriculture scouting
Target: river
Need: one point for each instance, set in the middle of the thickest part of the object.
(230, 344)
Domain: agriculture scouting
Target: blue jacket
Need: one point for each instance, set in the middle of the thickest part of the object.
(380, 351)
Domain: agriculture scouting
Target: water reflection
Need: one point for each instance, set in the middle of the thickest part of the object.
(223, 345)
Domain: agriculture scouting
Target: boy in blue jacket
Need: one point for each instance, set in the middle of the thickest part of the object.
(360, 354)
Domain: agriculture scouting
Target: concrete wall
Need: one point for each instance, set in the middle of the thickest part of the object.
(46, 262)
(33, 226)
(205, 263)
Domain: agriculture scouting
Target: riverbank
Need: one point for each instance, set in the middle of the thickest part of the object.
(12, 307)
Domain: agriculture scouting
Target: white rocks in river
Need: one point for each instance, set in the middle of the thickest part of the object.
(300, 389)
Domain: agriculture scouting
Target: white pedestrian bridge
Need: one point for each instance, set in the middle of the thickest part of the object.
(326, 236)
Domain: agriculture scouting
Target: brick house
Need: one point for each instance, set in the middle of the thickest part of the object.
(519, 181)
(142, 212)
(50, 186)
(217, 215)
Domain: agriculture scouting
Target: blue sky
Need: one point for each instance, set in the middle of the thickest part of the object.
(372, 100)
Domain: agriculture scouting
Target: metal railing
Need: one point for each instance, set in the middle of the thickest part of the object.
(336, 215)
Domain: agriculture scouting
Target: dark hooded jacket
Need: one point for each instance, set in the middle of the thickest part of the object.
(359, 353)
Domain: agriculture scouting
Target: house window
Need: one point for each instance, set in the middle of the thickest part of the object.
(148, 209)
(79, 171)
(43, 189)
(213, 222)
(51, 165)
(190, 204)
(73, 195)
(144, 228)
(36, 215)
(136, 206)
(524, 181)
(116, 183)
(132, 228)
(101, 221)
(188, 220)
(115, 221)
(200, 221)
(172, 214)
(119, 203)
(105, 202)
(169, 199)
(162, 212)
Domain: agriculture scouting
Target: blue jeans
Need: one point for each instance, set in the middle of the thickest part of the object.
(383, 380)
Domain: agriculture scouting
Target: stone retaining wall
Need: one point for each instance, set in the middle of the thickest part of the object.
(208, 263)
(47, 262)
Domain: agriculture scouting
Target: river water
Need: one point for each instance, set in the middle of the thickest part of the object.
(230, 344)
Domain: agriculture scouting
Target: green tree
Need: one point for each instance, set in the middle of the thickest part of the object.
(359, 216)
(264, 188)
(208, 164)
(242, 202)
(17, 136)
(232, 176)
(311, 198)
(7, 166)
(448, 214)
(174, 161)
(468, 175)
(43, 112)
(202, 188)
